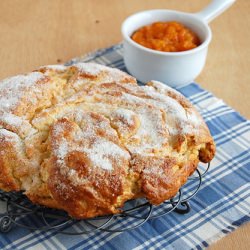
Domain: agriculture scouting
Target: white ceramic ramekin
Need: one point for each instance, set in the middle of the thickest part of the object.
(172, 68)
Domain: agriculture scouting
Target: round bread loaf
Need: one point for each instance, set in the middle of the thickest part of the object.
(86, 138)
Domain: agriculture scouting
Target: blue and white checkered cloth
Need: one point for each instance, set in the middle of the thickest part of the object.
(222, 204)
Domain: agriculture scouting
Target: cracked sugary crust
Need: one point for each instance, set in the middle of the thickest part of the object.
(86, 138)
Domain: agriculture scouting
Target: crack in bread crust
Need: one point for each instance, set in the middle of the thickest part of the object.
(87, 138)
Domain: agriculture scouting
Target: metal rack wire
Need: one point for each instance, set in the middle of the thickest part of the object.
(21, 212)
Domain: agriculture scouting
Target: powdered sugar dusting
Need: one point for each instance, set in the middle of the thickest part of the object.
(94, 69)
(151, 133)
(163, 88)
(170, 104)
(101, 152)
(132, 99)
(11, 119)
(190, 118)
(17, 124)
(56, 67)
(153, 171)
(194, 119)
(90, 68)
(125, 114)
(12, 89)
(6, 135)
(62, 151)
(179, 120)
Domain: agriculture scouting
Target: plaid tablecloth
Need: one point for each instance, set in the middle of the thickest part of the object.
(222, 204)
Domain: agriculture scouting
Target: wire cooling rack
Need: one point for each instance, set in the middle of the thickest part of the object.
(21, 212)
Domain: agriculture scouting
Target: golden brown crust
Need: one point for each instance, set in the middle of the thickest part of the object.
(87, 138)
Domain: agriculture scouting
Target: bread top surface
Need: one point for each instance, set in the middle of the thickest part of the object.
(86, 138)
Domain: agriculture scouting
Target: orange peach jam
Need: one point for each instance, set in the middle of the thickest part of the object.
(166, 36)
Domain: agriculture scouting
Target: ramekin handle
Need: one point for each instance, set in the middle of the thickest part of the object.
(215, 8)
